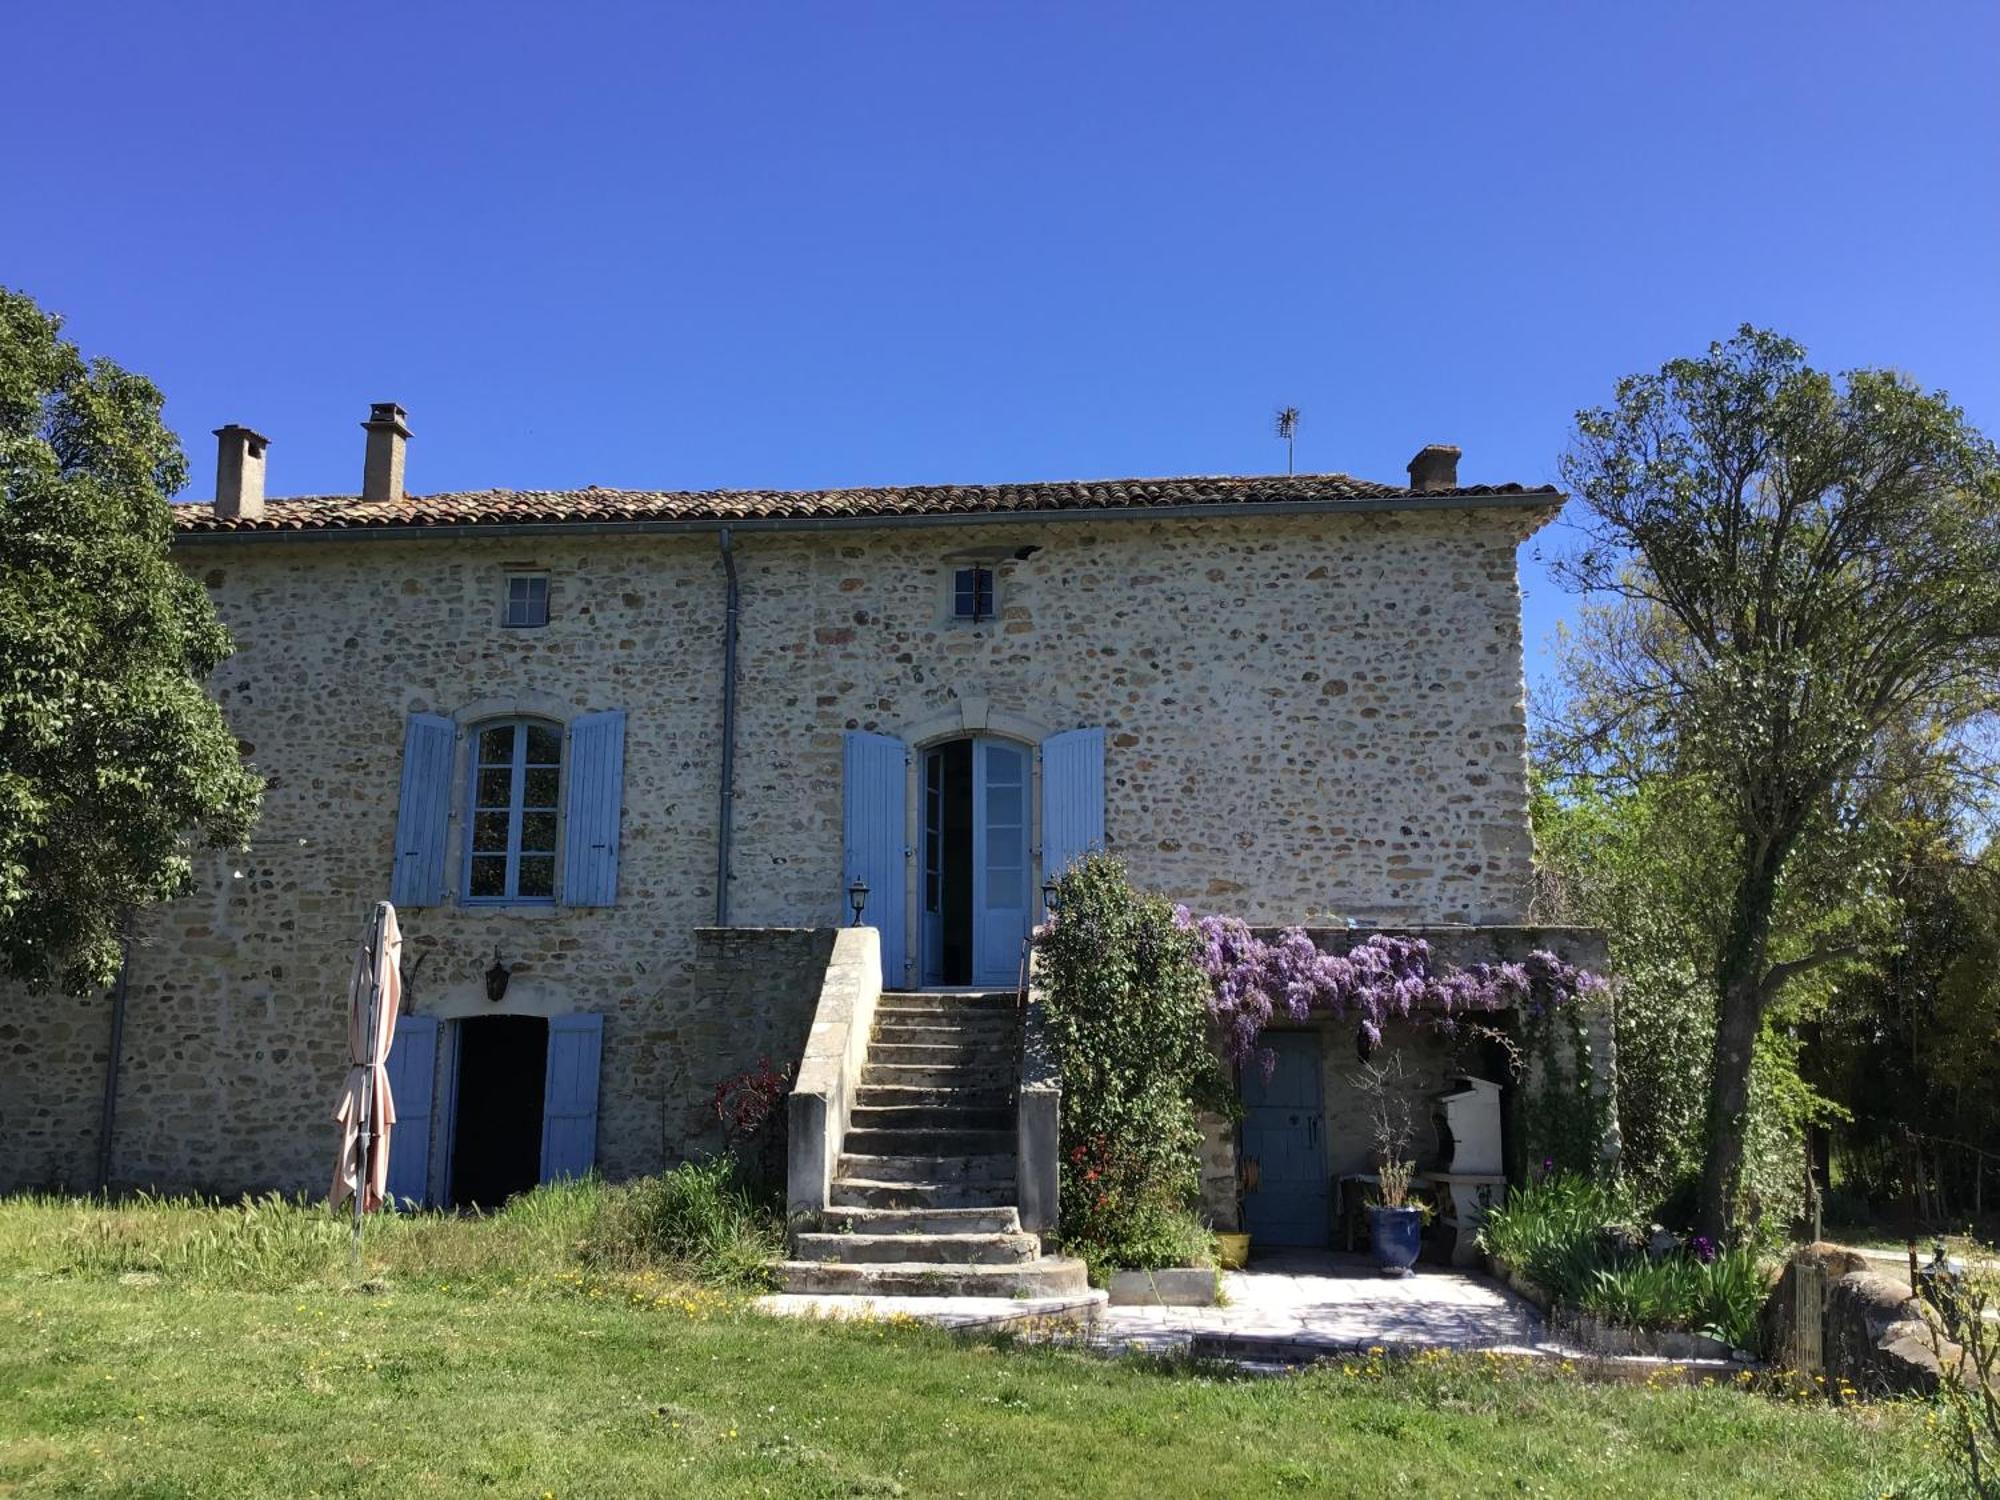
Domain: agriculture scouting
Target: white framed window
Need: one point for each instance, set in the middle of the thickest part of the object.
(526, 606)
(515, 789)
(972, 594)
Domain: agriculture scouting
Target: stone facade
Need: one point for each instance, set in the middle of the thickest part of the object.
(1306, 716)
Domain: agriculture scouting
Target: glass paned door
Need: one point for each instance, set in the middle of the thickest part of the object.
(1000, 861)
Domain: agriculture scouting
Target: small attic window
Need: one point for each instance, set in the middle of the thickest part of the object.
(527, 604)
(972, 594)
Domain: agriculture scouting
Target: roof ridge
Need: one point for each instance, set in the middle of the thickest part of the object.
(963, 501)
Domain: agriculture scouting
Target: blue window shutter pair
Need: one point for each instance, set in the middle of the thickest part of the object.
(596, 756)
(1072, 798)
(569, 1111)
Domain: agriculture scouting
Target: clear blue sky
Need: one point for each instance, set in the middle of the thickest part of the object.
(740, 244)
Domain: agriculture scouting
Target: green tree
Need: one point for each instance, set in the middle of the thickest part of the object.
(114, 762)
(1805, 581)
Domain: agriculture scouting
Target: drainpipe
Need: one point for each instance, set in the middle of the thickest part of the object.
(726, 813)
(108, 1119)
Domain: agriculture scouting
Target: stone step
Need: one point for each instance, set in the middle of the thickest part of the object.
(861, 1193)
(930, 1142)
(968, 1075)
(931, 1054)
(1001, 1218)
(891, 1097)
(981, 1170)
(948, 1033)
(910, 1003)
(1048, 1277)
(924, 1249)
(870, 1116)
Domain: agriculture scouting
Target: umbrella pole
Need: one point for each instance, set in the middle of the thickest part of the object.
(365, 1137)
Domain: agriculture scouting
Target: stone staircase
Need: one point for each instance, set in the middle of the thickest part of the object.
(923, 1201)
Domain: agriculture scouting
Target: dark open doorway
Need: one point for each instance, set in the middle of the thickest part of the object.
(948, 863)
(496, 1133)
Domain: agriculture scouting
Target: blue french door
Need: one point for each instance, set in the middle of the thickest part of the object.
(1284, 1132)
(999, 860)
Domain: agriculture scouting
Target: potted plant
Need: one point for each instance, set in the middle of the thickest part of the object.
(1395, 1225)
(1233, 1249)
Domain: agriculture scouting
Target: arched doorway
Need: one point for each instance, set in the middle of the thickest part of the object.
(974, 883)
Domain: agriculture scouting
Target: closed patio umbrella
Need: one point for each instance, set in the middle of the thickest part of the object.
(366, 1110)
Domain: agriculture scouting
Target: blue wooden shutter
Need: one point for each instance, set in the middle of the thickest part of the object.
(424, 813)
(569, 1096)
(412, 1085)
(873, 823)
(1072, 798)
(596, 793)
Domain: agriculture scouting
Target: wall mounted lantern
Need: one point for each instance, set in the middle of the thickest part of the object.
(496, 979)
(1049, 895)
(857, 897)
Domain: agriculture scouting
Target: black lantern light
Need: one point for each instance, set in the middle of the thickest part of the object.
(496, 979)
(1049, 895)
(857, 897)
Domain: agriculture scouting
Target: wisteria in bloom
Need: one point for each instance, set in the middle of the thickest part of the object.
(1383, 977)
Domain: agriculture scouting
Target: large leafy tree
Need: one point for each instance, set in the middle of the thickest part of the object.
(114, 762)
(1803, 585)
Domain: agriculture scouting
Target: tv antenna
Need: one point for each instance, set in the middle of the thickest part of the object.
(1288, 429)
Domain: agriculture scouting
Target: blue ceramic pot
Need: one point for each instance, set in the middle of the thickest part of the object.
(1395, 1234)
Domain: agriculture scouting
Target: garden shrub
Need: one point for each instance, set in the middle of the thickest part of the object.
(1575, 1237)
(750, 1107)
(1127, 1013)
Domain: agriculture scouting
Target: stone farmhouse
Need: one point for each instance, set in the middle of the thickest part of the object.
(625, 760)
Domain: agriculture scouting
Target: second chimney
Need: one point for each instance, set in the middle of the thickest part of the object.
(382, 474)
(1435, 468)
(239, 473)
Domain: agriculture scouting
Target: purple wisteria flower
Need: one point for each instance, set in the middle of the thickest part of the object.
(1382, 978)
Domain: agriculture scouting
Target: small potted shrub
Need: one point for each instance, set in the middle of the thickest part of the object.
(1395, 1225)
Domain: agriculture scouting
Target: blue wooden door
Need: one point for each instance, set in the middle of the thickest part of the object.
(1284, 1132)
(569, 1096)
(412, 1066)
(999, 861)
(874, 821)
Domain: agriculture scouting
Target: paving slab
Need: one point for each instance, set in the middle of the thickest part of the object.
(1299, 1302)
(964, 1314)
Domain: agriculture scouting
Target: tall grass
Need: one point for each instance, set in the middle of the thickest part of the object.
(691, 1222)
(703, 1216)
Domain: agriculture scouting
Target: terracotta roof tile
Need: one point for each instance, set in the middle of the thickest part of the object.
(500, 508)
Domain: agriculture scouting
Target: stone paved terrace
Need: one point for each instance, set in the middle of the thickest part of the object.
(1306, 1301)
(1316, 1300)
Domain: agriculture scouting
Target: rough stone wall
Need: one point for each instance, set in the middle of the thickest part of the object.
(752, 995)
(1304, 715)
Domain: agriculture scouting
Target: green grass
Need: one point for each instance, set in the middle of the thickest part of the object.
(156, 1372)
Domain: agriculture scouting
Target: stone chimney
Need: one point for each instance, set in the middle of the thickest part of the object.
(1436, 468)
(239, 473)
(382, 474)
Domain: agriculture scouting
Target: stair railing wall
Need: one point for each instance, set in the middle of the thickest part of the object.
(830, 1070)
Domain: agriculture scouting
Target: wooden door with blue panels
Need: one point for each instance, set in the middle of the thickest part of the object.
(1284, 1132)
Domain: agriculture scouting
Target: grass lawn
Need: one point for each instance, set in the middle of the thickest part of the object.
(200, 1378)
